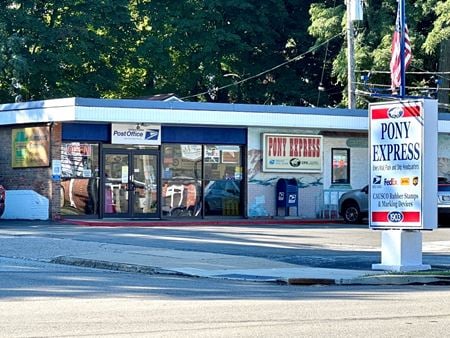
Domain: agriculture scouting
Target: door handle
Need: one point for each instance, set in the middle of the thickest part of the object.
(131, 186)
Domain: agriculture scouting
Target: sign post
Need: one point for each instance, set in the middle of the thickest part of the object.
(403, 174)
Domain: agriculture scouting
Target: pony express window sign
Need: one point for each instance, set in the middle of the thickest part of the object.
(292, 153)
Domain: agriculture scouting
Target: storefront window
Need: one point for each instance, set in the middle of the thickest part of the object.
(223, 178)
(191, 171)
(79, 178)
(181, 180)
(340, 166)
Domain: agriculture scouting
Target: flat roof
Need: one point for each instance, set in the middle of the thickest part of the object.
(78, 109)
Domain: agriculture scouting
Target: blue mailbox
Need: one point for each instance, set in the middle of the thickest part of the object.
(287, 194)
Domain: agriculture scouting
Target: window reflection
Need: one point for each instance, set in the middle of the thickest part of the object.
(223, 197)
(340, 166)
(182, 161)
(223, 176)
(79, 178)
(181, 197)
(187, 169)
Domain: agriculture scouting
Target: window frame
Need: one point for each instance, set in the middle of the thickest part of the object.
(334, 152)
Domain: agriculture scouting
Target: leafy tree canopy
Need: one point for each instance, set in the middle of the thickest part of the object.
(269, 52)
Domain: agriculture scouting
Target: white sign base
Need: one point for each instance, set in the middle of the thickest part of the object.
(401, 251)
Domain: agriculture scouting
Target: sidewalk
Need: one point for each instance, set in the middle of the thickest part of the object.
(148, 260)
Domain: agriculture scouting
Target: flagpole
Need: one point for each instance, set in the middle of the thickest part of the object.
(402, 49)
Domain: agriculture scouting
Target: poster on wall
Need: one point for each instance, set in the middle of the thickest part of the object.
(144, 134)
(212, 155)
(232, 157)
(76, 160)
(191, 152)
(292, 153)
(30, 147)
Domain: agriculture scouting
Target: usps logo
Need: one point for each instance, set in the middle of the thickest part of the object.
(292, 198)
(151, 134)
(376, 179)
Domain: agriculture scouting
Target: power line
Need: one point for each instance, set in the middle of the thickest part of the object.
(388, 72)
(420, 72)
(408, 87)
(297, 58)
(362, 93)
(321, 88)
(437, 73)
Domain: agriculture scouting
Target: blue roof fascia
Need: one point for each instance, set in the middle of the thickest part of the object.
(443, 116)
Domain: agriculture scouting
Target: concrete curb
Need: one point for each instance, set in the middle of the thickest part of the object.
(376, 280)
(149, 270)
(114, 266)
(196, 222)
(399, 280)
(310, 281)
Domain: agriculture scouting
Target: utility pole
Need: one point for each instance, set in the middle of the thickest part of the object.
(351, 87)
(354, 12)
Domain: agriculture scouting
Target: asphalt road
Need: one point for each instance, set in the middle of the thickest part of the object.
(39, 299)
(48, 300)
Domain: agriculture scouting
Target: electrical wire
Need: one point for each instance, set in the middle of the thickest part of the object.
(409, 87)
(323, 67)
(437, 73)
(420, 72)
(297, 58)
(388, 72)
(362, 94)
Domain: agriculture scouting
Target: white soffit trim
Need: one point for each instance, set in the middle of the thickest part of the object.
(222, 118)
(38, 112)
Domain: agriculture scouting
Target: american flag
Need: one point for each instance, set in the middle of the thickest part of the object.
(396, 76)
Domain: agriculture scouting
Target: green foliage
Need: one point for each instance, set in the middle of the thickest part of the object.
(441, 27)
(204, 45)
(135, 48)
(374, 36)
(325, 21)
(62, 48)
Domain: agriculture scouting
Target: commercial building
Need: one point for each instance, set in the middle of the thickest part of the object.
(145, 159)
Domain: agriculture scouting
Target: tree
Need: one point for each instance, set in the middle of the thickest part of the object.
(198, 46)
(439, 37)
(271, 52)
(62, 48)
(373, 41)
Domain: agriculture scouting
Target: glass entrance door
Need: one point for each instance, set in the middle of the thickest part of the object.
(144, 184)
(130, 183)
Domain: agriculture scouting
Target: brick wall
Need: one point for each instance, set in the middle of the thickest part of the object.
(37, 179)
(55, 149)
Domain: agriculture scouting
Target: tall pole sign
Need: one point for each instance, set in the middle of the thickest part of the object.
(403, 173)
